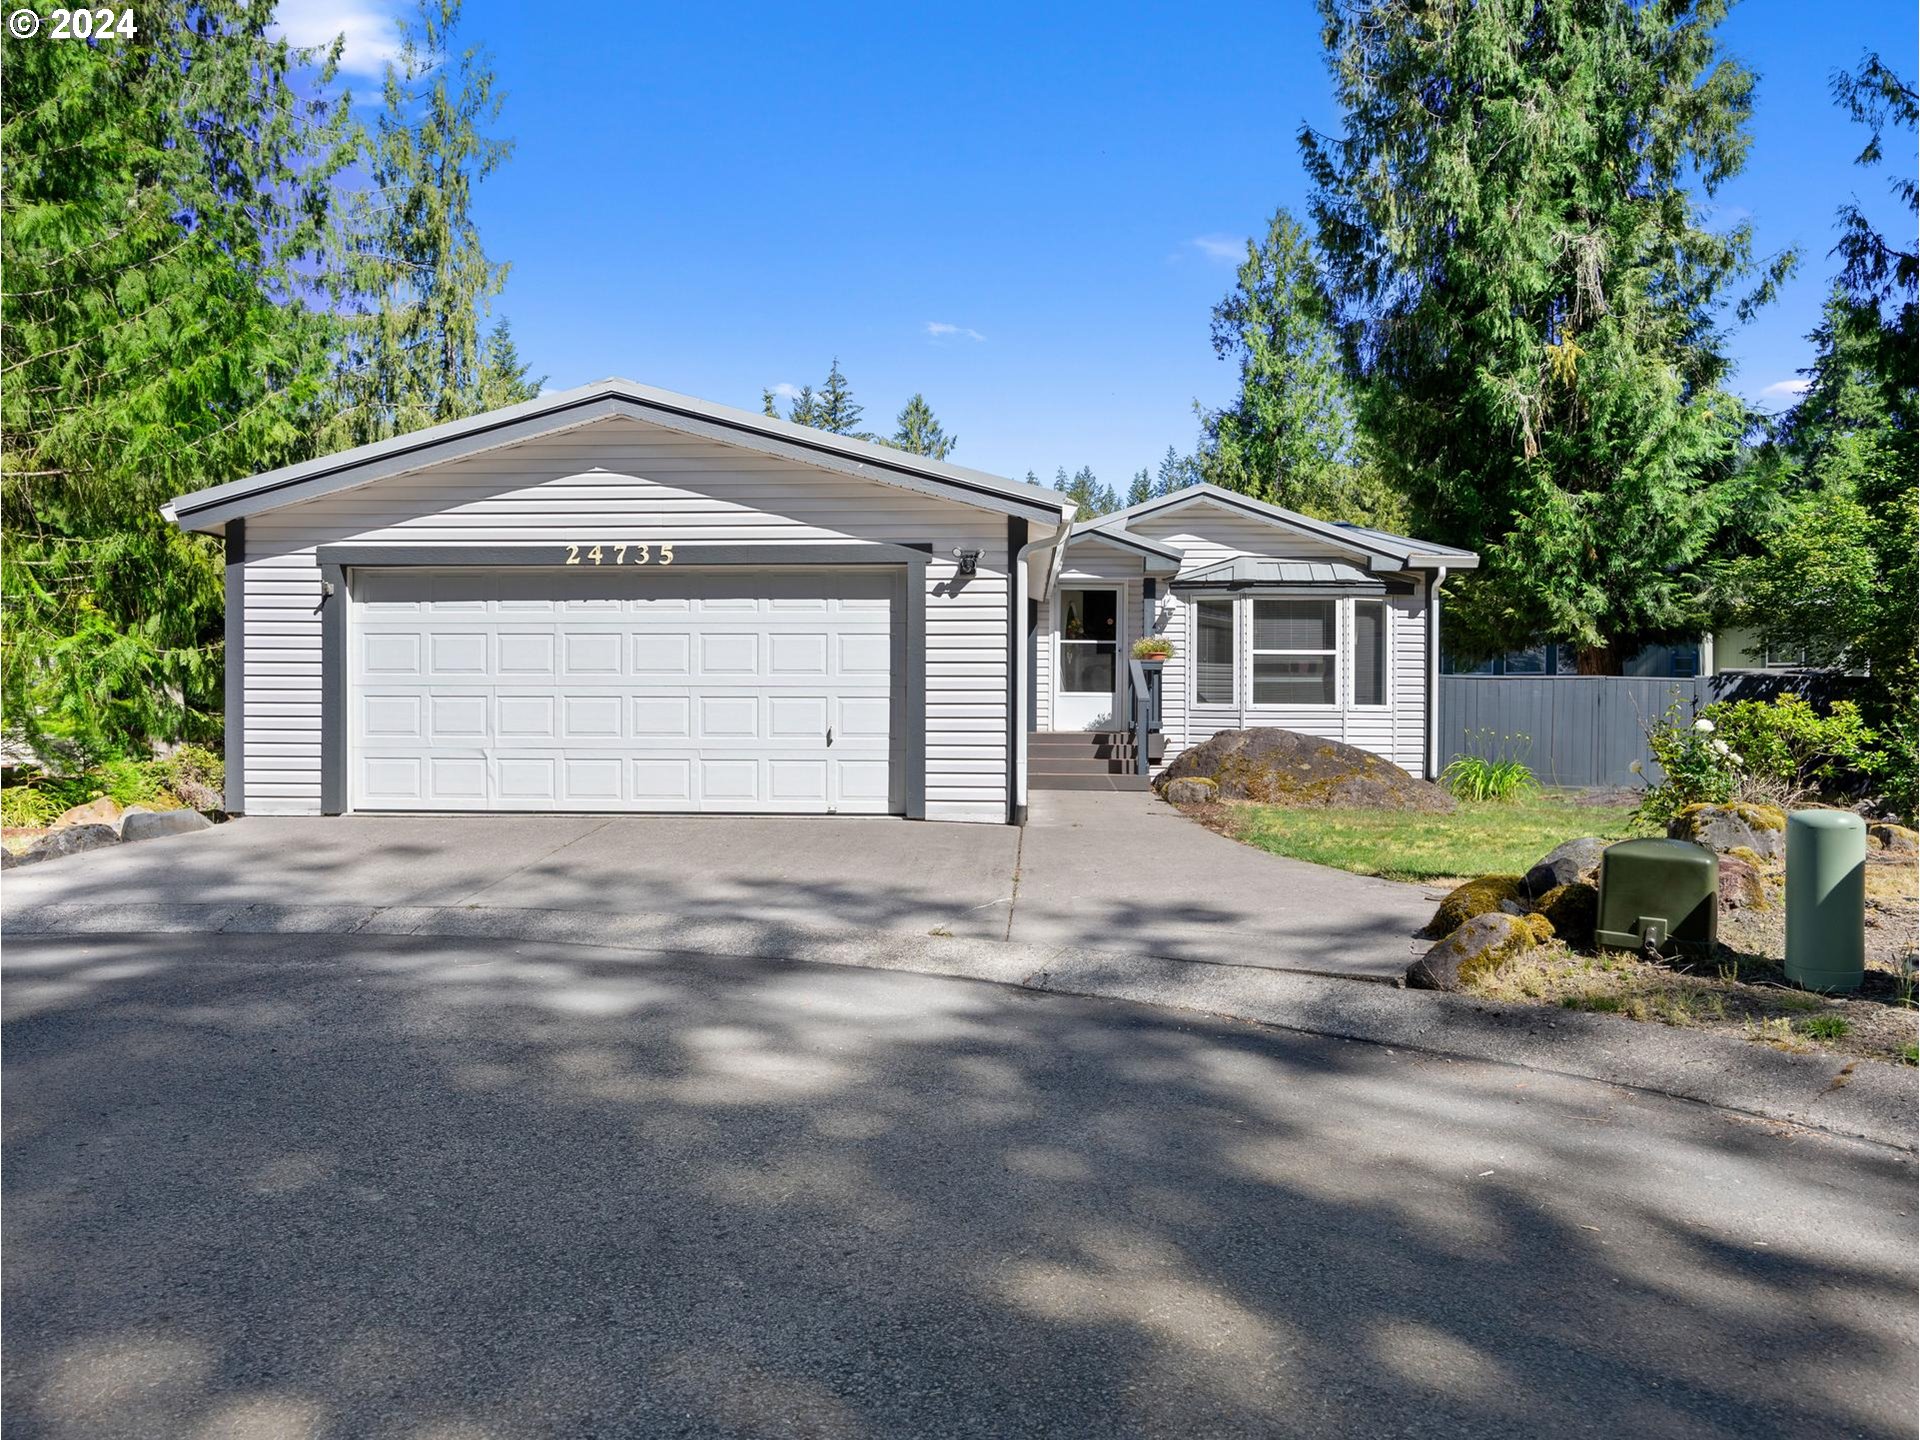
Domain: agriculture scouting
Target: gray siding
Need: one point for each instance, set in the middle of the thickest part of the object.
(621, 480)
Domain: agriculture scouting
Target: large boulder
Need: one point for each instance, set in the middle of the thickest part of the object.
(1475, 897)
(1189, 791)
(146, 825)
(1573, 911)
(70, 840)
(102, 810)
(1283, 767)
(1737, 826)
(1577, 862)
(1477, 948)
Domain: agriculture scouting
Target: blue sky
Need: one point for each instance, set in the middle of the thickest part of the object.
(1025, 212)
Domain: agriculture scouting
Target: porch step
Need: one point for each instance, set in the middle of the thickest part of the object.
(1083, 760)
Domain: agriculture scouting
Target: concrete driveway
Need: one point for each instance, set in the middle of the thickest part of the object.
(1092, 871)
(302, 1187)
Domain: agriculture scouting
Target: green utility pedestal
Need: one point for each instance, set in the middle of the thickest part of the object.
(1826, 899)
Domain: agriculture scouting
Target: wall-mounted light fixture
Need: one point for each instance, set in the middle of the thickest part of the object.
(969, 561)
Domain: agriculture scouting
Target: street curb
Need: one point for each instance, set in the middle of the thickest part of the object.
(1865, 1099)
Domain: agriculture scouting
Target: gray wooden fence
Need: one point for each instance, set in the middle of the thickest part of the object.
(1589, 729)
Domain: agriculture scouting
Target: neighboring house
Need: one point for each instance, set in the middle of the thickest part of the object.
(1275, 619)
(614, 598)
(1732, 651)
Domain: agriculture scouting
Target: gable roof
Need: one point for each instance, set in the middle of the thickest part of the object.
(1161, 557)
(603, 400)
(1384, 551)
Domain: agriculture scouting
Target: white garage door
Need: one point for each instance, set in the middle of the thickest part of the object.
(536, 689)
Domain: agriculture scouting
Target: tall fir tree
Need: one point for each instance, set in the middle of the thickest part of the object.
(1091, 498)
(1536, 303)
(1839, 571)
(1140, 490)
(836, 410)
(164, 211)
(417, 282)
(505, 379)
(1176, 472)
(919, 432)
(1289, 437)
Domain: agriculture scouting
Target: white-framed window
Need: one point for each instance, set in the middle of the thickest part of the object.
(1371, 653)
(1296, 652)
(1213, 652)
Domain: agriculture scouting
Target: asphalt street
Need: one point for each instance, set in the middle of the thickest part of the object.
(370, 1185)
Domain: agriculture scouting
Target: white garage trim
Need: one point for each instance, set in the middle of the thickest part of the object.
(336, 560)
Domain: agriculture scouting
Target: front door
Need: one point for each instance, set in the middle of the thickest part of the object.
(1087, 696)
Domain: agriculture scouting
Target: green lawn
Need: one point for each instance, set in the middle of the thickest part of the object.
(1477, 839)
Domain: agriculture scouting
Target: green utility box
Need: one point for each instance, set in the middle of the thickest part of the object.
(1826, 899)
(1662, 895)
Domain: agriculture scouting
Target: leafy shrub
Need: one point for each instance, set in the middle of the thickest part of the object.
(1152, 647)
(1778, 752)
(1501, 777)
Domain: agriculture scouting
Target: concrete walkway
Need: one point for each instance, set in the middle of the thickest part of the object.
(1119, 873)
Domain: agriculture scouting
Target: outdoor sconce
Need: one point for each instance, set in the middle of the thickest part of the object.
(969, 561)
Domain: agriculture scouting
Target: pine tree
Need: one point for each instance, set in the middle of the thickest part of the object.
(1289, 437)
(1090, 497)
(1535, 303)
(504, 377)
(804, 408)
(836, 411)
(163, 213)
(919, 432)
(768, 407)
(1176, 472)
(417, 281)
(1141, 490)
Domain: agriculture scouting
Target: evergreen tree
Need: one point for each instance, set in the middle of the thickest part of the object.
(416, 280)
(504, 377)
(836, 411)
(804, 408)
(1176, 472)
(768, 407)
(1141, 490)
(165, 202)
(1289, 437)
(1091, 498)
(919, 432)
(1535, 303)
(1839, 572)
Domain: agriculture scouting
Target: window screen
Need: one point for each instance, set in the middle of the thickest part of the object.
(1213, 652)
(1369, 652)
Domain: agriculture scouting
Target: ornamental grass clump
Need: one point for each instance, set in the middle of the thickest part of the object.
(1501, 777)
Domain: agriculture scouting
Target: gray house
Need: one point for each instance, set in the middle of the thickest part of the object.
(615, 598)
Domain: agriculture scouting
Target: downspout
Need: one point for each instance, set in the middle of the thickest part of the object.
(1433, 671)
(1022, 670)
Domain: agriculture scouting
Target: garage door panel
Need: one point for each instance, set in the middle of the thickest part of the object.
(528, 689)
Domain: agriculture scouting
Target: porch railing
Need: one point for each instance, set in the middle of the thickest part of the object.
(1143, 690)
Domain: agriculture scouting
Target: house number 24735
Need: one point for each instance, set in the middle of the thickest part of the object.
(642, 554)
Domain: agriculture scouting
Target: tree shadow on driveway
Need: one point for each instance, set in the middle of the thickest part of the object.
(373, 1185)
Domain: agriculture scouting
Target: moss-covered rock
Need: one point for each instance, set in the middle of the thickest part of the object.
(1477, 948)
(1572, 910)
(1191, 790)
(1737, 826)
(1893, 839)
(1740, 885)
(1477, 897)
(1572, 862)
(1284, 767)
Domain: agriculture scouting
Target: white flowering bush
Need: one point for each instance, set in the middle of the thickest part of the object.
(1776, 752)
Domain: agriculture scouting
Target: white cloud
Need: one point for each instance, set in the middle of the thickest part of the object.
(370, 26)
(1220, 247)
(1785, 390)
(940, 330)
(787, 390)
